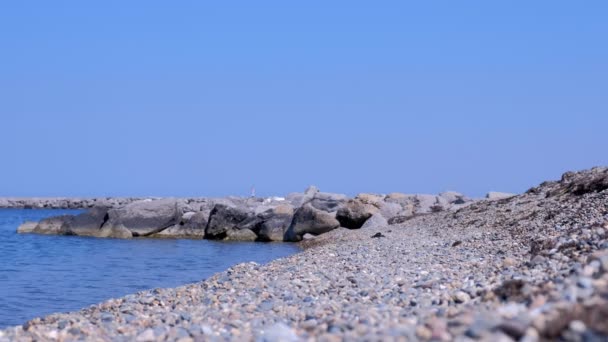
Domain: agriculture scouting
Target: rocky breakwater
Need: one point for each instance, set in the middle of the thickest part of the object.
(63, 202)
(296, 217)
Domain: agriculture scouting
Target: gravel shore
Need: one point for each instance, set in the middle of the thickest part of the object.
(532, 267)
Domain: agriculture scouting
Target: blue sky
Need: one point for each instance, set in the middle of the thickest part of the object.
(190, 98)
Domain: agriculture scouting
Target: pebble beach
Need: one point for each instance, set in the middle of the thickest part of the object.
(533, 267)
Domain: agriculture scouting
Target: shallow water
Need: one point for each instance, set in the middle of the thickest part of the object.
(42, 274)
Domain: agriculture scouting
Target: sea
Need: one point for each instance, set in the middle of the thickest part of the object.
(43, 274)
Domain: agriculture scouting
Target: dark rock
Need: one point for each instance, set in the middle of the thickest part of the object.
(53, 225)
(240, 235)
(308, 219)
(191, 226)
(378, 235)
(275, 223)
(354, 214)
(580, 183)
(146, 217)
(224, 218)
(328, 202)
(88, 223)
(513, 328)
(377, 220)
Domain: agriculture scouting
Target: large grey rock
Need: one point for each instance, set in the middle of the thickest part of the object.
(308, 219)
(325, 201)
(275, 222)
(453, 197)
(224, 218)
(240, 235)
(426, 204)
(377, 220)
(88, 223)
(52, 225)
(328, 202)
(27, 227)
(373, 199)
(354, 214)
(115, 231)
(147, 217)
(191, 226)
(391, 209)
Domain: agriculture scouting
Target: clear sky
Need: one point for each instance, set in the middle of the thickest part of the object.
(190, 98)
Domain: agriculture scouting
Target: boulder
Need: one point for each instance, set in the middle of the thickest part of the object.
(377, 220)
(328, 202)
(224, 218)
(308, 219)
(426, 204)
(147, 217)
(240, 235)
(115, 231)
(52, 225)
(192, 226)
(373, 199)
(354, 214)
(27, 227)
(453, 197)
(494, 195)
(88, 223)
(275, 223)
(407, 202)
(391, 209)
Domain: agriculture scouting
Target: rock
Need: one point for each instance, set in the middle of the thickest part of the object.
(453, 198)
(299, 199)
(308, 236)
(275, 223)
(115, 231)
(147, 217)
(27, 227)
(461, 297)
(509, 262)
(426, 204)
(354, 214)
(389, 210)
(279, 332)
(240, 235)
(311, 190)
(146, 336)
(309, 219)
(580, 183)
(377, 220)
(373, 199)
(88, 223)
(191, 226)
(224, 218)
(187, 216)
(493, 195)
(328, 202)
(52, 225)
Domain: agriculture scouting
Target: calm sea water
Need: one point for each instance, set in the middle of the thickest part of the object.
(42, 274)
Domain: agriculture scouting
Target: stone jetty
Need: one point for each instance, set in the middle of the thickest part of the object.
(287, 218)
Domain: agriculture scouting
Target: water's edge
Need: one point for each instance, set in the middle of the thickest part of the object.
(45, 274)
